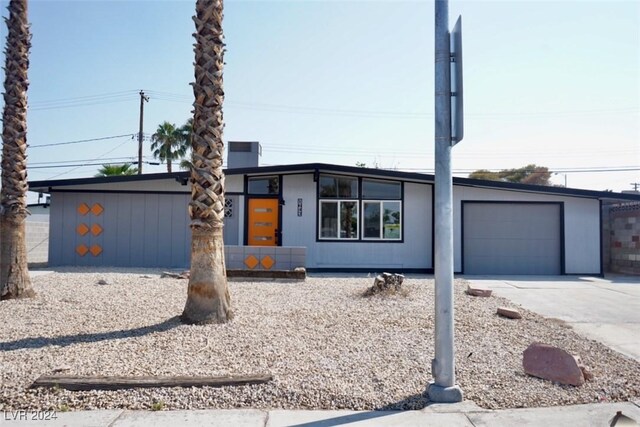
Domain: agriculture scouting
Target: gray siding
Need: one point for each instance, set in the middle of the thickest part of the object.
(232, 221)
(138, 230)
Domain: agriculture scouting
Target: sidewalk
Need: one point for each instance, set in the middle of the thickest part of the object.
(461, 414)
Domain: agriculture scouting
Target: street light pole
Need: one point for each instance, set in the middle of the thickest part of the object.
(443, 389)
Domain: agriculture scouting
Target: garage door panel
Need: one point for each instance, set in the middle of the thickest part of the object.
(511, 238)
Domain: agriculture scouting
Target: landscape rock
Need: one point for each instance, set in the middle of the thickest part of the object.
(586, 372)
(102, 282)
(385, 282)
(552, 363)
(478, 292)
(509, 312)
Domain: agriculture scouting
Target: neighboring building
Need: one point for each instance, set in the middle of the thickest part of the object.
(343, 218)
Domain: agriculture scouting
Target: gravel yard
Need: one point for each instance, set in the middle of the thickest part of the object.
(326, 346)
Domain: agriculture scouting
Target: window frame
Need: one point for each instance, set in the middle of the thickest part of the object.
(339, 203)
(360, 203)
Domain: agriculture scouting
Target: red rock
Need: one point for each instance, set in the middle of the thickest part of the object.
(552, 363)
(478, 292)
(509, 312)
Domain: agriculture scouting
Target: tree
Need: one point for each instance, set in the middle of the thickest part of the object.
(14, 272)
(116, 170)
(208, 298)
(169, 143)
(530, 174)
(187, 131)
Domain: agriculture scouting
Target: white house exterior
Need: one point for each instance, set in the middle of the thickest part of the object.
(328, 218)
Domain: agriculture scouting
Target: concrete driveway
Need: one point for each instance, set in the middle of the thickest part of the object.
(604, 309)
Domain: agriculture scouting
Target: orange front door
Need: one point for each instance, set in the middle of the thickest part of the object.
(263, 222)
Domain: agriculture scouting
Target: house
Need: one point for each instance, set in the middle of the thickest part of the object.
(327, 217)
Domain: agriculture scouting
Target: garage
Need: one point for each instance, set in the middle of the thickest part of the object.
(512, 238)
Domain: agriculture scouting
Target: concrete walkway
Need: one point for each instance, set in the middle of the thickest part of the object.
(463, 414)
(603, 309)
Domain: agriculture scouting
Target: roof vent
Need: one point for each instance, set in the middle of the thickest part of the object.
(243, 154)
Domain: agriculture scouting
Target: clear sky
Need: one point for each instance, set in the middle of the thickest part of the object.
(556, 83)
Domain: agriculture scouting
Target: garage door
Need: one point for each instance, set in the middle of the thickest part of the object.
(511, 238)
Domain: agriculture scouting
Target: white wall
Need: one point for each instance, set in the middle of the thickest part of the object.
(415, 252)
(232, 183)
(581, 225)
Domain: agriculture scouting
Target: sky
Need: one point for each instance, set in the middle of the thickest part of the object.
(555, 83)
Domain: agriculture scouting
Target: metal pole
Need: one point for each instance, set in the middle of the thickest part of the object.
(443, 388)
(142, 100)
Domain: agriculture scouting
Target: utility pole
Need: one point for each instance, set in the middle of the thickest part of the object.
(143, 99)
(443, 389)
(635, 185)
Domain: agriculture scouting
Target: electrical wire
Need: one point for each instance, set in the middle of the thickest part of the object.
(132, 135)
(92, 160)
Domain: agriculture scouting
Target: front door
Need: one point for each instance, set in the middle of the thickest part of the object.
(263, 222)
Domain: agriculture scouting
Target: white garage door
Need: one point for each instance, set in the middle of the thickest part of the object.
(511, 238)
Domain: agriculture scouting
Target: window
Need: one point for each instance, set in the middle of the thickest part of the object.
(339, 219)
(340, 204)
(334, 186)
(269, 185)
(372, 189)
(382, 220)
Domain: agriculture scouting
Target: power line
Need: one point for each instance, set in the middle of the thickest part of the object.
(82, 104)
(61, 162)
(92, 160)
(174, 97)
(83, 140)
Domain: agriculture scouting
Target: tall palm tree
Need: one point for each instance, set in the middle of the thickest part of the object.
(116, 170)
(168, 143)
(208, 299)
(14, 273)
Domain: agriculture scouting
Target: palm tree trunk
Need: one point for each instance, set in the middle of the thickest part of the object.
(208, 299)
(169, 165)
(14, 273)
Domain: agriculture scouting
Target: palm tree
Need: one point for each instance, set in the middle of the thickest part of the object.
(115, 170)
(208, 299)
(187, 131)
(168, 143)
(14, 273)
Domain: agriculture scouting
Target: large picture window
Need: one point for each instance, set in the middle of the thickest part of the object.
(353, 209)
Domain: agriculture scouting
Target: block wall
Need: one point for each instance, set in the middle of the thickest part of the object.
(623, 241)
(37, 243)
(264, 257)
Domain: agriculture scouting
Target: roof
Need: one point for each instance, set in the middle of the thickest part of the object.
(49, 185)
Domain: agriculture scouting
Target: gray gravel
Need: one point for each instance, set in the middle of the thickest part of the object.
(326, 346)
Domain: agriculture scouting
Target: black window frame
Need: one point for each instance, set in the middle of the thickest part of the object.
(360, 205)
